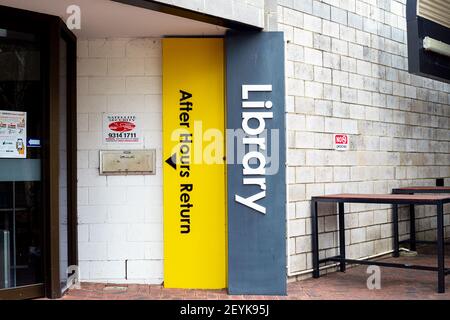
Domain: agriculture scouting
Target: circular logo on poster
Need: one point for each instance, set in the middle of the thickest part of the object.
(122, 126)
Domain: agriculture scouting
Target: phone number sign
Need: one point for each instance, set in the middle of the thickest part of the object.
(121, 128)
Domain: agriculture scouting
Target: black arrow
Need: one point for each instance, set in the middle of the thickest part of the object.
(172, 161)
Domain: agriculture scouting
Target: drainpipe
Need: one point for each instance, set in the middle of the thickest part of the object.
(271, 15)
(286, 146)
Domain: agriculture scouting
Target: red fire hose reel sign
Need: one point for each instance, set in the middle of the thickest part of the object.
(341, 142)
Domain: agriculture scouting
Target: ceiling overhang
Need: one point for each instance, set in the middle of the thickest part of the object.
(191, 14)
(116, 19)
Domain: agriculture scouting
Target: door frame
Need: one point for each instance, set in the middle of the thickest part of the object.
(58, 30)
(51, 29)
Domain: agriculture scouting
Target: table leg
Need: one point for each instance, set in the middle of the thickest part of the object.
(342, 236)
(395, 230)
(440, 248)
(412, 228)
(315, 239)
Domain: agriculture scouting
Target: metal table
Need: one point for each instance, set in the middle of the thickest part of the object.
(395, 200)
(412, 212)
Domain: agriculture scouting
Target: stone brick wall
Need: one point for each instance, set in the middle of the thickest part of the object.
(120, 217)
(346, 69)
(246, 11)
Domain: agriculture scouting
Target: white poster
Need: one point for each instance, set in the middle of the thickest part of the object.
(121, 128)
(13, 134)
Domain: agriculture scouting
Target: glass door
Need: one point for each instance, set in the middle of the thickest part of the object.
(37, 154)
(21, 215)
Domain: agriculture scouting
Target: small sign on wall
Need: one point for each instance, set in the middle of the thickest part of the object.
(13, 134)
(341, 142)
(127, 162)
(121, 128)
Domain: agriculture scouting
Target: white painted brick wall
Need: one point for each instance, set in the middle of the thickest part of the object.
(346, 69)
(120, 217)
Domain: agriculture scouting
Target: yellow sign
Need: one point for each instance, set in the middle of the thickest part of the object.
(194, 169)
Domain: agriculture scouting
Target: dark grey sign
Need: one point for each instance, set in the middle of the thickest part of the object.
(256, 157)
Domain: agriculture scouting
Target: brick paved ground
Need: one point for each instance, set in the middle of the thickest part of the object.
(396, 284)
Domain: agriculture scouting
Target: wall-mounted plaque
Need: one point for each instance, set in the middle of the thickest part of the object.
(127, 162)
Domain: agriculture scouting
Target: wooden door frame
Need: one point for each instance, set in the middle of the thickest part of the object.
(59, 32)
